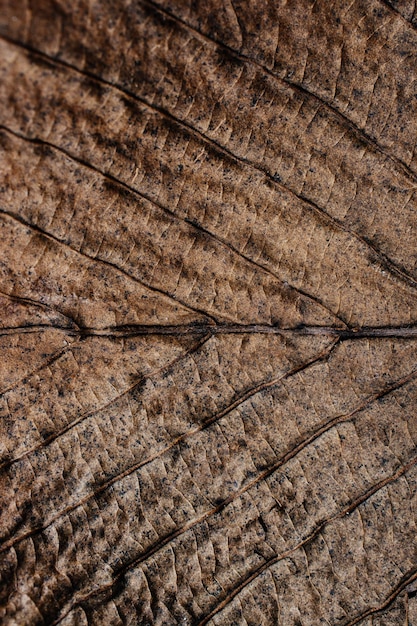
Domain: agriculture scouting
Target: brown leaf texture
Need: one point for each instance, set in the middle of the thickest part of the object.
(208, 312)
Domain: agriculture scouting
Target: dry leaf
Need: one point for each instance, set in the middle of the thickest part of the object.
(208, 296)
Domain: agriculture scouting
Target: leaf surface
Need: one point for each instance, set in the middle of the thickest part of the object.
(208, 296)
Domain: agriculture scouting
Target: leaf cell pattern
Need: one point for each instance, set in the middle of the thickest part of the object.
(208, 327)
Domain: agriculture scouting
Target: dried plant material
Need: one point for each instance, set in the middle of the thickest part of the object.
(208, 313)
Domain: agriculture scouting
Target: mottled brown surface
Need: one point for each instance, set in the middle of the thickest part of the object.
(208, 312)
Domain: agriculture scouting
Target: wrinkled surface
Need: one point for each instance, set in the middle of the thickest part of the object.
(208, 312)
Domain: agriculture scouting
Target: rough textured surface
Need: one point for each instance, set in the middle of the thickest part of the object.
(208, 312)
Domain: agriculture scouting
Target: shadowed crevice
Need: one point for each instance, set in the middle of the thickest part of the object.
(182, 330)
